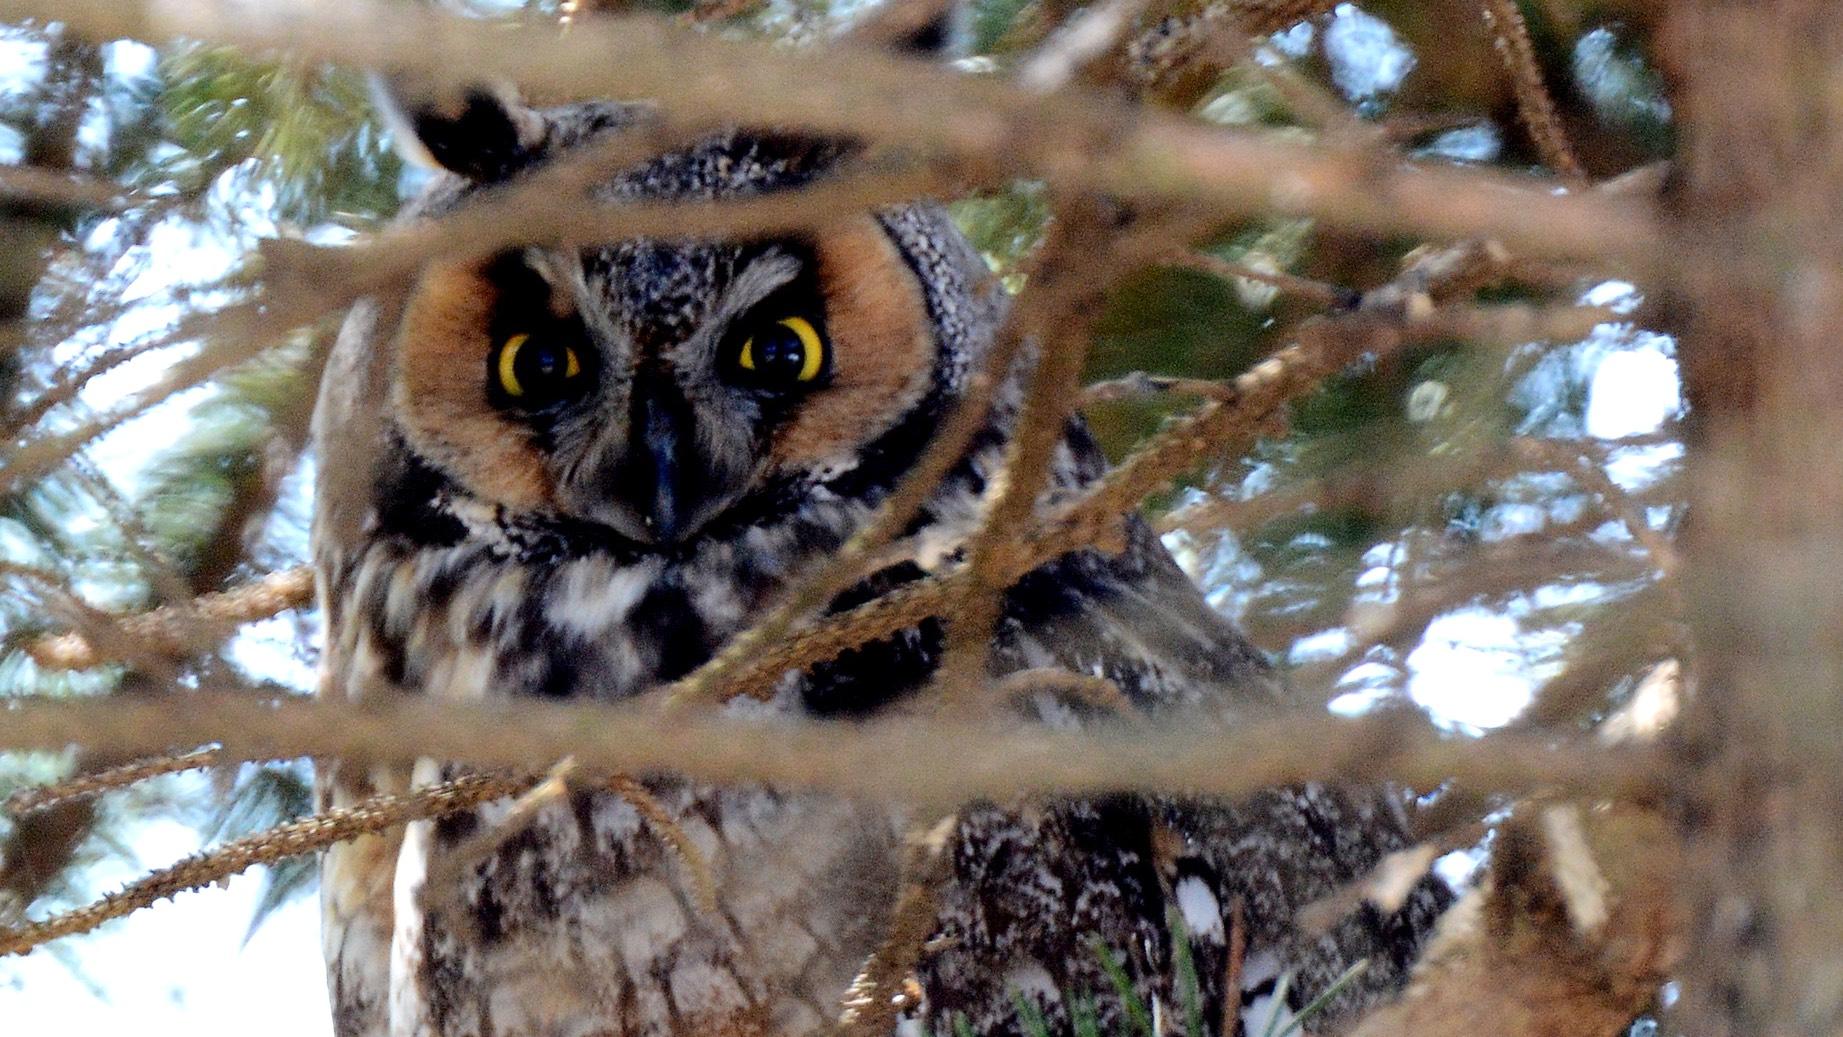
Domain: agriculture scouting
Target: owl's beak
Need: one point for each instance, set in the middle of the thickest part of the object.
(657, 482)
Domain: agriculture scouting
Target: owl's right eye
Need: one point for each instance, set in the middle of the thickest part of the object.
(535, 370)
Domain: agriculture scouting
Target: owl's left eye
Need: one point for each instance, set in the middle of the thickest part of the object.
(781, 354)
(536, 370)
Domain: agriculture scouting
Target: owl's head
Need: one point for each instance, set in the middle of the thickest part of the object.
(652, 387)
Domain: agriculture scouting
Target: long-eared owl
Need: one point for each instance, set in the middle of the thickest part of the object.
(575, 472)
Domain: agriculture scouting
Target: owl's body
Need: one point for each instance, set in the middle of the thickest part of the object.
(576, 473)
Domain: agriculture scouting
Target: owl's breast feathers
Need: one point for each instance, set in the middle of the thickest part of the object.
(585, 915)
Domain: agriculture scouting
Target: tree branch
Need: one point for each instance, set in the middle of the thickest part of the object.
(1078, 139)
(938, 762)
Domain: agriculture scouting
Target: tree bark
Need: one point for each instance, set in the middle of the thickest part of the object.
(1760, 206)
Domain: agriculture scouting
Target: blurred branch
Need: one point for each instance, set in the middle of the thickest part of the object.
(1081, 41)
(941, 761)
(876, 999)
(1067, 293)
(1591, 474)
(1070, 137)
(1182, 47)
(1515, 565)
(1760, 288)
(1572, 931)
(1218, 429)
(231, 335)
(59, 189)
(1644, 627)
(1137, 385)
(895, 22)
(1327, 295)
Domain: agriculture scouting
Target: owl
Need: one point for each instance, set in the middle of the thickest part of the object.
(577, 472)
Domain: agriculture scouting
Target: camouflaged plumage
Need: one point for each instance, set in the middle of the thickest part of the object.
(434, 582)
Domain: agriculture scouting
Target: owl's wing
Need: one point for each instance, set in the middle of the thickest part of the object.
(356, 882)
(356, 877)
(1137, 620)
(1044, 903)
(1040, 895)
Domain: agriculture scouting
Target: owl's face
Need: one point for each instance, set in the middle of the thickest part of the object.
(651, 387)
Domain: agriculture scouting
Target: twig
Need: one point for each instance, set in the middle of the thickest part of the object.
(1136, 385)
(1163, 52)
(1534, 104)
(874, 1001)
(1234, 44)
(174, 633)
(654, 813)
(1593, 478)
(288, 840)
(1508, 568)
(1327, 295)
(1642, 628)
(1078, 43)
(71, 383)
(1232, 969)
(891, 23)
(42, 797)
(1069, 292)
(234, 334)
(862, 553)
(441, 887)
(372, 815)
(1217, 429)
(51, 187)
(92, 624)
(1085, 688)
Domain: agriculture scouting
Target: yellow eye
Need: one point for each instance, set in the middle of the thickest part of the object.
(783, 353)
(535, 370)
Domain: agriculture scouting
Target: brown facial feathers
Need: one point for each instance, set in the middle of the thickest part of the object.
(441, 393)
(882, 346)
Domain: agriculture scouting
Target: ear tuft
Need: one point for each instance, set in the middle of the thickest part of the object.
(483, 134)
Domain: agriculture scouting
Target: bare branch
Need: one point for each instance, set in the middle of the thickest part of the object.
(176, 632)
(289, 840)
(1534, 104)
(876, 997)
(934, 761)
(1070, 137)
(52, 187)
(1304, 287)
(43, 797)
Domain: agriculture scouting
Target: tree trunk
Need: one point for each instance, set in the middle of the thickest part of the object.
(1760, 99)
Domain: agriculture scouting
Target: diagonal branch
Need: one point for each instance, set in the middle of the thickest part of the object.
(1534, 104)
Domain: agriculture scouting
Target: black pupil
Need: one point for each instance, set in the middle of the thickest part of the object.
(541, 366)
(779, 353)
